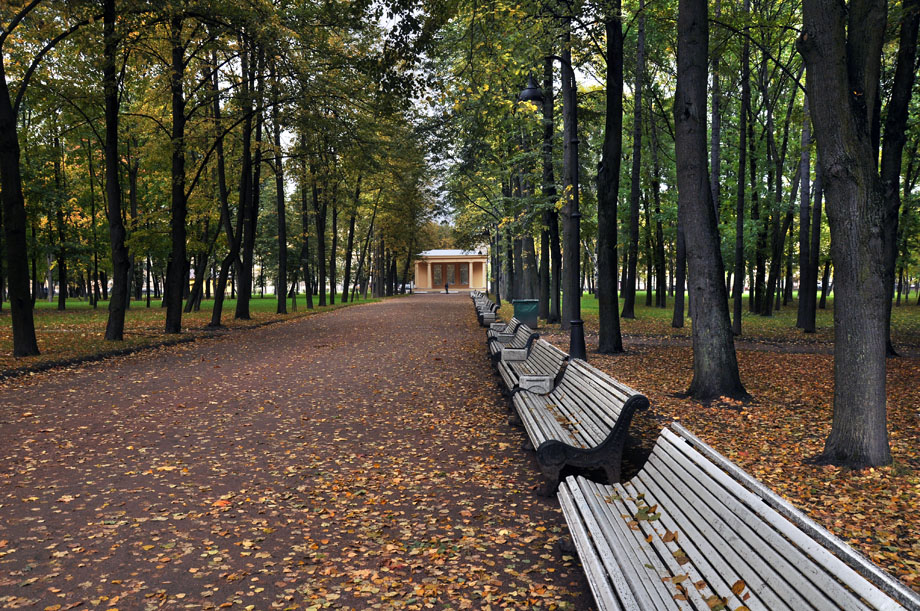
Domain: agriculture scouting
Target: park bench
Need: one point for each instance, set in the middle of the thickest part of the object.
(502, 332)
(581, 424)
(692, 530)
(539, 373)
(514, 347)
(486, 311)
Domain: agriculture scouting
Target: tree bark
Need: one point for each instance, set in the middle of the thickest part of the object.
(176, 270)
(115, 325)
(842, 48)
(805, 223)
(715, 368)
(610, 339)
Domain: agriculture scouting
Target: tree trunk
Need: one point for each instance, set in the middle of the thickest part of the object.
(805, 222)
(234, 238)
(244, 279)
(61, 251)
(14, 226)
(281, 289)
(319, 214)
(658, 242)
(114, 329)
(738, 289)
(825, 285)
(629, 291)
(610, 339)
(305, 236)
(176, 271)
(893, 147)
(350, 242)
(715, 368)
(715, 128)
(335, 241)
(677, 319)
(571, 296)
(842, 48)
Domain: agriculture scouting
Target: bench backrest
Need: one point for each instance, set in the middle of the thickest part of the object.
(521, 334)
(742, 532)
(544, 357)
(596, 388)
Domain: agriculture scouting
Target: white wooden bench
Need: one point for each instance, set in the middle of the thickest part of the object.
(692, 530)
(517, 347)
(503, 332)
(486, 311)
(581, 424)
(539, 373)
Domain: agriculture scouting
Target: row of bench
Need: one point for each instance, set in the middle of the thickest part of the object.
(691, 530)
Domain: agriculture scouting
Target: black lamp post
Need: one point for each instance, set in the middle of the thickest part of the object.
(572, 291)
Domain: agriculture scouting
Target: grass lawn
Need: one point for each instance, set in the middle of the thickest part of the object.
(790, 376)
(78, 332)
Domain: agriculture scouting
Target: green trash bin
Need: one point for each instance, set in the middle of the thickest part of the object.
(526, 311)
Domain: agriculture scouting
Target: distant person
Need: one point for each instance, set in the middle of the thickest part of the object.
(446, 284)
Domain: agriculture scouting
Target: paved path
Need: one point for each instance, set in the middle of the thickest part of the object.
(357, 459)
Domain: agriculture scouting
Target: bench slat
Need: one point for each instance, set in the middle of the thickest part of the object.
(817, 552)
(646, 561)
(599, 565)
(728, 561)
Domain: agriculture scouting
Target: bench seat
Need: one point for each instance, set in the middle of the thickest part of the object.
(693, 531)
(582, 423)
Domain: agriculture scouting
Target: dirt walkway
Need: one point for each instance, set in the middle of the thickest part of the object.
(359, 459)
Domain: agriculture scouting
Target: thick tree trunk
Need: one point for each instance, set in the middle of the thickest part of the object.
(14, 227)
(715, 368)
(629, 291)
(176, 269)
(121, 263)
(610, 340)
(842, 48)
